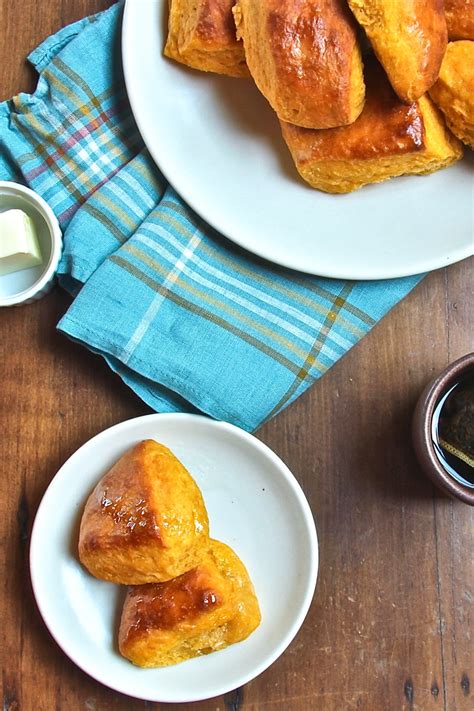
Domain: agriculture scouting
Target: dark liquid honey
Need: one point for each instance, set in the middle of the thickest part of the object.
(453, 431)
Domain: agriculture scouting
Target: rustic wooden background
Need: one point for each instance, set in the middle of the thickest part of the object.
(390, 628)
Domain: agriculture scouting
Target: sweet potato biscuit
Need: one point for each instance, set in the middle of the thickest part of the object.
(202, 611)
(145, 521)
(305, 59)
(202, 35)
(409, 37)
(388, 139)
(454, 90)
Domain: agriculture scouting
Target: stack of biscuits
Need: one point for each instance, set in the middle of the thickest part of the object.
(145, 525)
(402, 106)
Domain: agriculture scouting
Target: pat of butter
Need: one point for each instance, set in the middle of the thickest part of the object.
(19, 248)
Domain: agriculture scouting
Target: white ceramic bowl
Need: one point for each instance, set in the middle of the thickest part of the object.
(255, 505)
(31, 284)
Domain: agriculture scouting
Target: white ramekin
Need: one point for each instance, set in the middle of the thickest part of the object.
(30, 284)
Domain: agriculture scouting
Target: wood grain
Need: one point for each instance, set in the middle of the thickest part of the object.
(391, 624)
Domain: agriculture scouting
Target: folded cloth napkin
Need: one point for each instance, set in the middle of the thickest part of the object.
(188, 320)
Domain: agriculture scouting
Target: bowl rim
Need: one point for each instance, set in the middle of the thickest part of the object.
(55, 235)
(421, 429)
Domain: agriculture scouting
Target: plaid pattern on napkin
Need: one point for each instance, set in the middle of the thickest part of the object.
(188, 320)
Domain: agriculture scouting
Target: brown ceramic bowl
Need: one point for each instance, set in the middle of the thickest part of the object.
(421, 429)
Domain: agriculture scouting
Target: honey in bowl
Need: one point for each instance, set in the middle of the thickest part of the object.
(453, 430)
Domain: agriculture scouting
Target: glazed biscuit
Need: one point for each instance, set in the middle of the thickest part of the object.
(145, 521)
(388, 139)
(454, 90)
(409, 37)
(305, 58)
(202, 611)
(202, 35)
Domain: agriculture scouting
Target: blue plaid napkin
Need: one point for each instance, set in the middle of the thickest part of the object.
(188, 320)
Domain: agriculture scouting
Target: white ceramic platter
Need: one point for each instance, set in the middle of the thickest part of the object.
(219, 144)
(255, 505)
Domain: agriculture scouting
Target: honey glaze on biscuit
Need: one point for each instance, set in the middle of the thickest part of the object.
(123, 495)
(427, 29)
(133, 516)
(300, 43)
(164, 605)
(308, 39)
(385, 127)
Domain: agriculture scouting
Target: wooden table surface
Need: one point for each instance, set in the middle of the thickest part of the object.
(391, 625)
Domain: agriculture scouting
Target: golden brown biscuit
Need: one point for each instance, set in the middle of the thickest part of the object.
(202, 611)
(304, 58)
(454, 90)
(460, 19)
(145, 521)
(202, 35)
(388, 139)
(409, 37)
